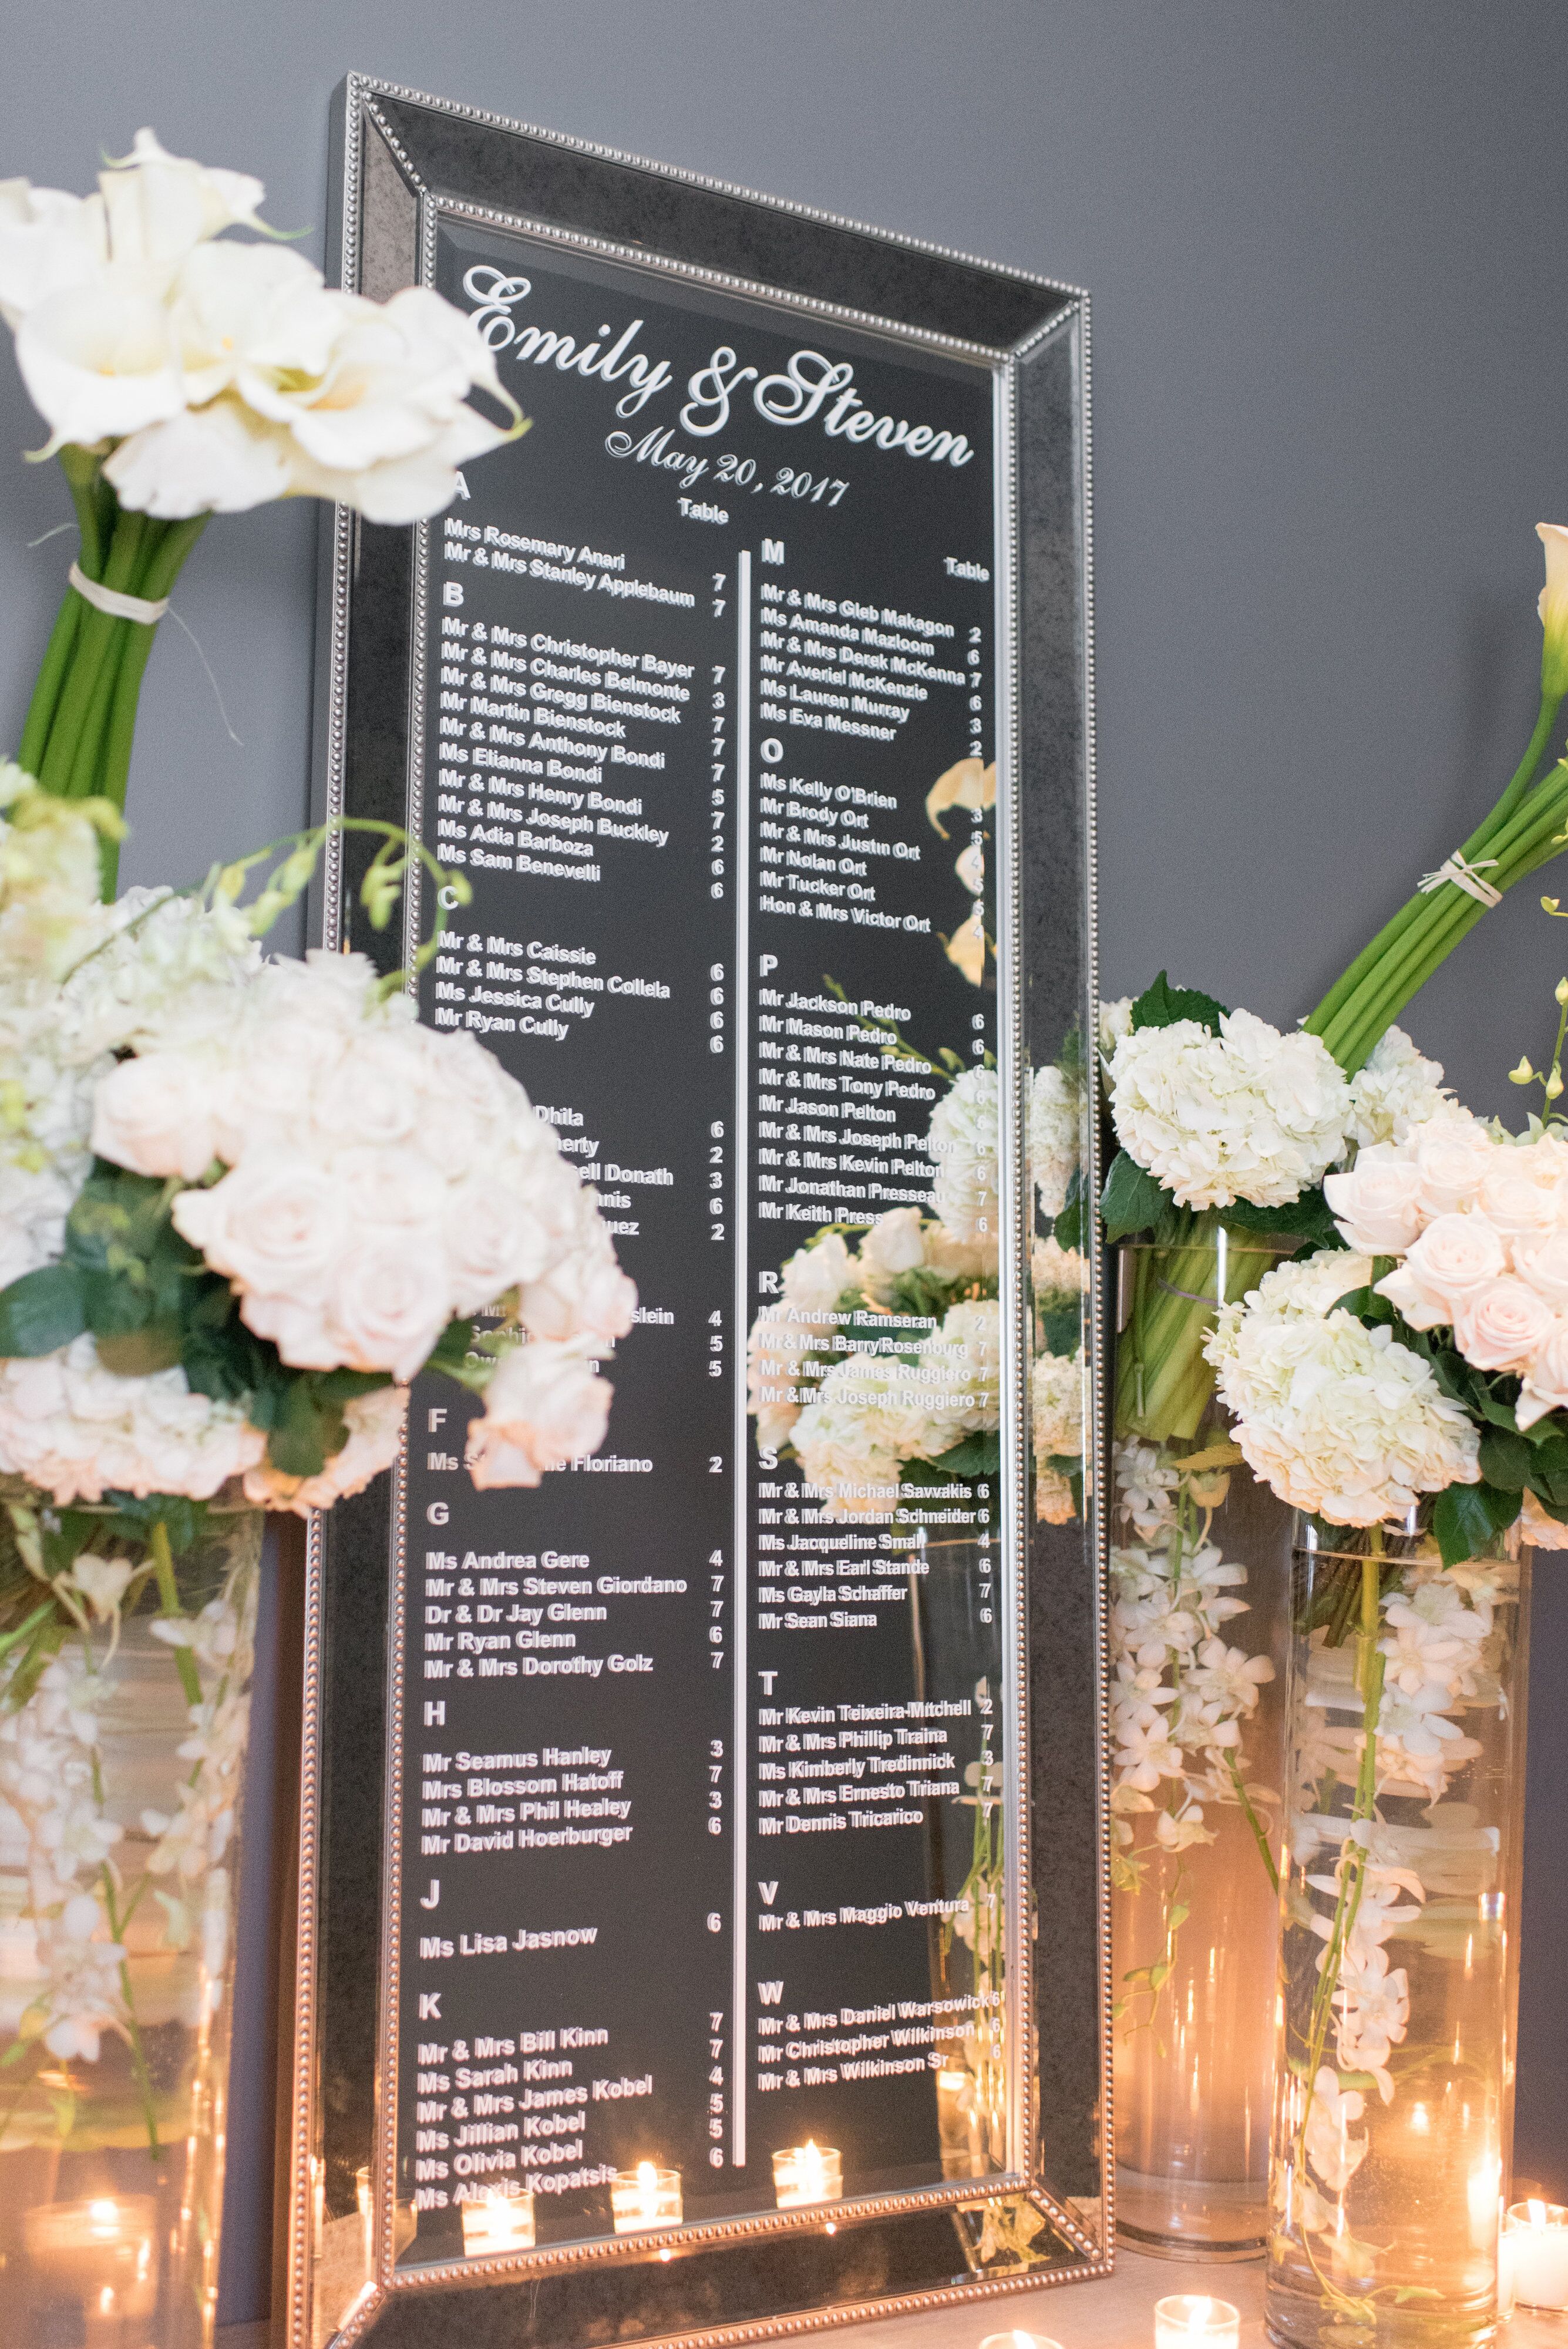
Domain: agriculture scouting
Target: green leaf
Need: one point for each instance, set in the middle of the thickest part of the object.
(138, 1353)
(1506, 1459)
(42, 1311)
(1132, 1201)
(1071, 1228)
(1306, 1219)
(450, 1352)
(1162, 1005)
(1367, 1306)
(1468, 1518)
(977, 1455)
(182, 1520)
(304, 1430)
(1062, 1330)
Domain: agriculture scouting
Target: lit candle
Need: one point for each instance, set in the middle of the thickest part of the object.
(101, 2254)
(807, 2173)
(645, 2197)
(498, 2223)
(1536, 2235)
(1188, 2318)
(1018, 2341)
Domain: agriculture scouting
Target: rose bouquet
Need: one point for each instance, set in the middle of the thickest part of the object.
(1408, 1392)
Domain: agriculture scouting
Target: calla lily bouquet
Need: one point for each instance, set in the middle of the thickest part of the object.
(183, 372)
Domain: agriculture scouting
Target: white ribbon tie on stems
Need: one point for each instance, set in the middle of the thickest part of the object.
(111, 600)
(1464, 876)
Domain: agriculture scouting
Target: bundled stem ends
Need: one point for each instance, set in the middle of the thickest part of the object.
(82, 717)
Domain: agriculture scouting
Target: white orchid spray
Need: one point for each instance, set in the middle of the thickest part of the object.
(1380, 1823)
(183, 371)
(1182, 1694)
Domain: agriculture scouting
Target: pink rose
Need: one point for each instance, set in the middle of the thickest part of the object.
(1455, 1257)
(1545, 1384)
(1544, 1262)
(1520, 1198)
(543, 1407)
(1501, 1326)
(152, 1114)
(1453, 1154)
(1379, 1203)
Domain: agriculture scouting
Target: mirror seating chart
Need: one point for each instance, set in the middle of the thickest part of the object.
(700, 1927)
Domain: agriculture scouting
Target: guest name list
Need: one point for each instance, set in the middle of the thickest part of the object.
(690, 1761)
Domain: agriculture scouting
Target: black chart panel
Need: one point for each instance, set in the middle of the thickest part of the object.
(690, 1750)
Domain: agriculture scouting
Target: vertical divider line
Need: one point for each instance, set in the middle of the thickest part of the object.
(739, 1163)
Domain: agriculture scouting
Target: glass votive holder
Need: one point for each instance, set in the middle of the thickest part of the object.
(498, 2223)
(807, 2173)
(102, 2253)
(1533, 2254)
(645, 2197)
(1018, 2341)
(1191, 2319)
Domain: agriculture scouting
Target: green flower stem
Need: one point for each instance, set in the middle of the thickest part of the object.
(1163, 1384)
(1259, 1835)
(1519, 843)
(164, 1571)
(117, 1924)
(1517, 834)
(80, 722)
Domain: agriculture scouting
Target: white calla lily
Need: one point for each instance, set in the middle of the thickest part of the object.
(243, 315)
(397, 379)
(215, 459)
(48, 240)
(160, 206)
(99, 361)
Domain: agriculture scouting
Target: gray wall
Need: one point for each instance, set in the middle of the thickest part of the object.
(1325, 247)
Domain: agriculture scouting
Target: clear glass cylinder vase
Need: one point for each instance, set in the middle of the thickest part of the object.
(124, 1711)
(1399, 1950)
(1199, 1577)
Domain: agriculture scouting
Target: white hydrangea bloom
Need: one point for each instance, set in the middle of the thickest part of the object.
(1056, 1383)
(1056, 1271)
(964, 1139)
(48, 876)
(1338, 1419)
(1115, 1022)
(1396, 1088)
(1247, 1114)
(1056, 1136)
(79, 1430)
(876, 1410)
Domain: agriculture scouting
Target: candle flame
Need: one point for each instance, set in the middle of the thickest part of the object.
(646, 2177)
(1199, 2315)
(1537, 2212)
